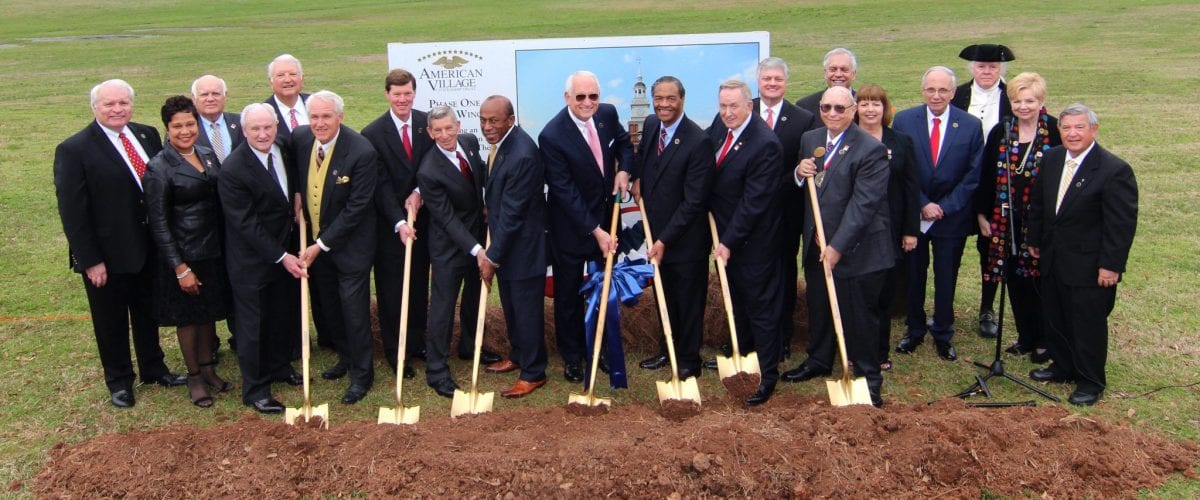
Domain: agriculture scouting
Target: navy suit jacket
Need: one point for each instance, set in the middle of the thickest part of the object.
(580, 197)
(952, 184)
(517, 209)
(743, 199)
(675, 189)
(282, 130)
(455, 204)
(233, 125)
(347, 201)
(259, 217)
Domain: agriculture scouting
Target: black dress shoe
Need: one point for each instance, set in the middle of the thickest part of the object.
(293, 379)
(804, 372)
(1018, 349)
(988, 328)
(710, 364)
(686, 373)
(486, 357)
(573, 373)
(1039, 356)
(654, 362)
(168, 380)
(267, 405)
(444, 388)
(123, 398)
(945, 350)
(1083, 398)
(335, 372)
(409, 373)
(355, 394)
(1049, 374)
(909, 344)
(761, 396)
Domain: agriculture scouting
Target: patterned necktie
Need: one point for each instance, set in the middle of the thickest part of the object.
(771, 118)
(407, 142)
(725, 148)
(292, 119)
(465, 168)
(594, 144)
(1065, 183)
(139, 165)
(218, 143)
(662, 141)
(935, 140)
(320, 157)
(828, 154)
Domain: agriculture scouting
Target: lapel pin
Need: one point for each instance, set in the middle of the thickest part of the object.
(1080, 183)
(599, 124)
(844, 149)
(737, 146)
(143, 136)
(783, 118)
(954, 125)
(889, 153)
(676, 140)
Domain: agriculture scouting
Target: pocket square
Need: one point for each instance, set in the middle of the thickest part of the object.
(345, 179)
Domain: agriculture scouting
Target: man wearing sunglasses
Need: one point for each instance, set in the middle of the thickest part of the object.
(587, 156)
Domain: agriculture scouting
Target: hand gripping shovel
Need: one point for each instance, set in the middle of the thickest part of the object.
(589, 399)
(685, 390)
(293, 416)
(474, 402)
(844, 391)
(400, 414)
(731, 366)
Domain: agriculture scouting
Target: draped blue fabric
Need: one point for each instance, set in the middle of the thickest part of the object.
(629, 278)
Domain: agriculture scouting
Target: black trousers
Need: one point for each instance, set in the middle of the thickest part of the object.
(1077, 330)
(448, 280)
(124, 301)
(342, 311)
(525, 316)
(857, 300)
(389, 283)
(685, 288)
(568, 308)
(1024, 296)
(791, 226)
(757, 304)
(267, 318)
(883, 308)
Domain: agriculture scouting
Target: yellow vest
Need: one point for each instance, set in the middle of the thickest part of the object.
(317, 173)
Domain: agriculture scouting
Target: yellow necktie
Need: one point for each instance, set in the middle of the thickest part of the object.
(1065, 182)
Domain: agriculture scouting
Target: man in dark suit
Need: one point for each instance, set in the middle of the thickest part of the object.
(985, 97)
(582, 148)
(287, 81)
(256, 197)
(451, 178)
(841, 67)
(400, 139)
(1082, 218)
(337, 173)
(949, 147)
(749, 165)
(675, 175)
(98, 181)
(516, 219)
(852, 192)
(218, 130)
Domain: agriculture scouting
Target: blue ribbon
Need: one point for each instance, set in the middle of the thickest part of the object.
(628, 279)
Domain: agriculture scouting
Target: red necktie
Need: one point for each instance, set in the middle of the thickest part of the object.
(725, 148)
(406, 141)
(935, 140)
(292, 118)
(771, 118)
(465, 168)
(135, 159)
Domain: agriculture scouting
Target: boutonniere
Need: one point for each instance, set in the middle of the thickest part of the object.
(737, 146)
(345, 179)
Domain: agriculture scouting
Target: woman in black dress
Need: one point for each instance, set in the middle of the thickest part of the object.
(192, 291)
(1012, 161)
(875, 117)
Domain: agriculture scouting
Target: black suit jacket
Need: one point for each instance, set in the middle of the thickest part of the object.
(903, 189)
(811, 102)
(101, 205)
(233, 125)
(398, 174)
(259, 217)
(347, 211)
(962, 100)
(790, 125)
(516, 210)
(743, 199)
(455, 204)
(853, 198)
(1095, 226)
(580, 197)
(282, 130)
(184, 210)
(675, 189)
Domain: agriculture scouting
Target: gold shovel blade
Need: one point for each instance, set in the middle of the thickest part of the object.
(399, 415)
(844, 392)
(295, 416)
(469, 403)
(730, 366)
(688, 390)
(588, 400)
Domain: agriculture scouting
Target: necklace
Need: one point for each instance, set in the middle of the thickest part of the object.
(193, 153)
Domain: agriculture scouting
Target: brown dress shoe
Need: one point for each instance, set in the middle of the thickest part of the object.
(502, 366)
(522, 388)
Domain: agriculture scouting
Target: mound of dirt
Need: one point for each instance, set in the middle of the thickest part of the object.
(791, 447)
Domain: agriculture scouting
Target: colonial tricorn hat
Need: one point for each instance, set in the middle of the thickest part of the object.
(987, 52)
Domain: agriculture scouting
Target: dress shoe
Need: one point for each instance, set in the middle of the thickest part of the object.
(945, 350)
(267, 405)
(654, 362)
(573, 373)
(522, 388)
(603, 365)
(503, 366)
(168, 380)
(1049, 374)
(293, 379)
(123, 398)
(444, 388)
(418, 353)
(1039, 356)
(804, 372)
(686, 373)
(486, 357)
(909, 344)
(761, 396)
(988, 328)
(409, 373)
(1018, 349)
(355, 394)
(1083, 398)
(335, 372)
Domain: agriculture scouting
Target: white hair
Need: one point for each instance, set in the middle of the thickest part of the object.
(734, 83)
(941, 69)
(115, 82)
(442, 111)
(288, 58)
(219, 80)
(324, 95)
(257, 106)
(583, 73)
(842, 52)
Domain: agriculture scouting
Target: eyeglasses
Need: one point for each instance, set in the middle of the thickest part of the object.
(839, 108)
(933, 91)
(590, 97)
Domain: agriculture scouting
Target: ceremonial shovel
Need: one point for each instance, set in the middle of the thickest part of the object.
(589, 399)
(292, 416)
(843, 392)
(686, 390)
(400, 414)
(731, 366)
(473, 402)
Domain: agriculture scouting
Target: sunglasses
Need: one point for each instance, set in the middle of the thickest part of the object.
(590, 97)
(825, 108)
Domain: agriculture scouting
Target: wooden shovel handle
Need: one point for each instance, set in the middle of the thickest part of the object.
(733, 339)
(830, 288)
(600, 320)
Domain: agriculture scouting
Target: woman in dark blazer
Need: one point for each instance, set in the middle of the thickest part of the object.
(1012, 160)
(875, 117)
(192, 290)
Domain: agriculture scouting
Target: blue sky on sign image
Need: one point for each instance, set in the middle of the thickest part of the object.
(542, 74)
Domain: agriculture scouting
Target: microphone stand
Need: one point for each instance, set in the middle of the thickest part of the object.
(996, 369)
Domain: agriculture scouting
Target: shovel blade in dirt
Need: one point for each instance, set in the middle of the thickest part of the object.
(733, 365)
(303, 415)
(399, 415)
(846, 391)
(686, 390)
(471, 403)
(588, 400)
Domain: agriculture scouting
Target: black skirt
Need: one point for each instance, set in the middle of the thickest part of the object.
(174, 307)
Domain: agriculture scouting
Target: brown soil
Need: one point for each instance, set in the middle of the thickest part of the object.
(790, 447)
(741, 385)
(679, 410)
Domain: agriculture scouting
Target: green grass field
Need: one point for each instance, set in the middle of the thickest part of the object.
(1137, 63)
